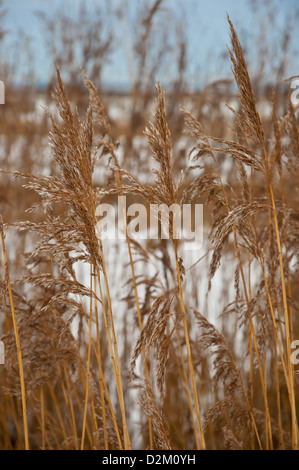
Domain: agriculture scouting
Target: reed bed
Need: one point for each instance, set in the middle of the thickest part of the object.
(154, 367)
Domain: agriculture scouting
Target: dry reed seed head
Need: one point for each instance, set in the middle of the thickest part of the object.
(159, 141)
(204, 185)
(66, 286)
(40, 336)
(149, 405)
(196, 130)
(224, 363)
(107, 143)
(239, 219)
(153, 335)
(287, 438)
(241, 153)
(236, 218)
(251, 118)
(72, 149)
(231, 440)
(236, 422)
(161, 364)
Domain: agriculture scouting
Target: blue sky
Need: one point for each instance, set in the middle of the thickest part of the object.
(204, 23)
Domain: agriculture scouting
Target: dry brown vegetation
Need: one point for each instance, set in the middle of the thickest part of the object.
(151, 364)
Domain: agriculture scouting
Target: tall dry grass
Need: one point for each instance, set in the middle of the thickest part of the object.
(154, 369)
